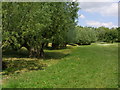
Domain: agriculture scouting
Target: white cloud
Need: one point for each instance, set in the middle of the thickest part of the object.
(82, 16)
(98, 24)
(105, 9)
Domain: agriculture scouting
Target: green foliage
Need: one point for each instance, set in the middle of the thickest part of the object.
(64, 20)
(85, 35)
(118, 30)
(111, 36)
(10, 40)
(88, 35)
(32, 25)
(71, 34)
(107, 35)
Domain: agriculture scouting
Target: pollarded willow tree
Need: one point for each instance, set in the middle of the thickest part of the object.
(26, 24)
(32, 25)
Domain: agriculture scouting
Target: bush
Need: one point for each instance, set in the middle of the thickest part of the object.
(107, 35)
(85, 36)
(111, 36)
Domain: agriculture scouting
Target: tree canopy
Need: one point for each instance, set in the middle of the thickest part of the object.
(33, 24)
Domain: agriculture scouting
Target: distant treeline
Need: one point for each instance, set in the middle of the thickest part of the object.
(88, 35)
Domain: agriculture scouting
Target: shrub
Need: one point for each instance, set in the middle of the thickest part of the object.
(107, 35)
(85, 36)
(111, 36)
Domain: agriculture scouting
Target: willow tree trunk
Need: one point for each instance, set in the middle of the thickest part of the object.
(55, 46)
(46, 45)
(42, 51)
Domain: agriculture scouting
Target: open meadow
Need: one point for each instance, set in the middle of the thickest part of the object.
(89, 66)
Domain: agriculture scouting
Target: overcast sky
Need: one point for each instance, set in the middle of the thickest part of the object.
(98, 14)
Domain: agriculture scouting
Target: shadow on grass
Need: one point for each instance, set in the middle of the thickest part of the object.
(55, 55)
(50, 48)
(15, 54)
(10, 66)
(25, 54)
(17, 66)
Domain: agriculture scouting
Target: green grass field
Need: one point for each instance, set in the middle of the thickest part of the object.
(92, 66)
